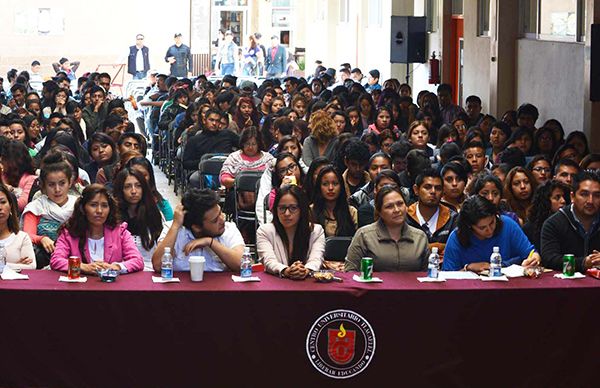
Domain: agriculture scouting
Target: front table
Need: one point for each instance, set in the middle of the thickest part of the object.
(134, 333)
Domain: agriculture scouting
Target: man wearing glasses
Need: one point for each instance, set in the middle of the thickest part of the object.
(138, 62)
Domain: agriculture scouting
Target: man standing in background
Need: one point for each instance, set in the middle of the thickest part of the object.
(276, 59)
(179, 57)
(138, 62)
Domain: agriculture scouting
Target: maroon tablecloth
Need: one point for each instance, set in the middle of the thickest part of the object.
(136, 333)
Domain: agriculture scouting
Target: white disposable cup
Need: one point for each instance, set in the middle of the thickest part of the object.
(197, 268)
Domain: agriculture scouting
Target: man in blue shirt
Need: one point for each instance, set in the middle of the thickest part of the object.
(179, 57)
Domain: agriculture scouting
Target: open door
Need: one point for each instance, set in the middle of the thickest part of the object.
(456, 56)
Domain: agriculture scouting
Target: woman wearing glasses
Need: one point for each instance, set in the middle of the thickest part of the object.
(286, 171)
(291, 246)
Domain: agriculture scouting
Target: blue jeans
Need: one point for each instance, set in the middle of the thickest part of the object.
(227, 68)
(140, 75)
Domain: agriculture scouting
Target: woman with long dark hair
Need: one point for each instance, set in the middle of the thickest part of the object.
(144, 167)
(291, 246)
(103, 152)
(18, 173)
(480, 228)
(519, 187)
(138, 208)
(286, 171)
(94, 234)
(547, 200)
(19, 250)
(246, 114)
(330, 208)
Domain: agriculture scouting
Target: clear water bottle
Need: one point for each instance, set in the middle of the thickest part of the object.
(433, 269)
(246, 265)
(495, 263)
(166, 266)
(2, 257)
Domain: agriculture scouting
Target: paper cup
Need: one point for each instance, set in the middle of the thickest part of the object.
(197, 268)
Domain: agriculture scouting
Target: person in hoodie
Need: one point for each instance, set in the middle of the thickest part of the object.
(427, 214)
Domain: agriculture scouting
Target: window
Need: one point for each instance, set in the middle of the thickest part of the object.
(558, 18)
(344, 11)
(431, 13)
(562, 20)
(321, 11)
(375, 9)
(39, 21)
(483, 16)
(457, 7)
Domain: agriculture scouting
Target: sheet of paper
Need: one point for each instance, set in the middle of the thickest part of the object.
(357, 278)
(458, 275)
(514, 271)
(10, 274)
(431, 280)
(239, 279)
(158, 279)
(502, 278)
(66, 279)
(578, 275)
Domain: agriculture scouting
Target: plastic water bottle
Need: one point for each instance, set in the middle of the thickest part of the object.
(166, 265)
(496, 263)
(246, 265)
(2, 257)
(433, 269)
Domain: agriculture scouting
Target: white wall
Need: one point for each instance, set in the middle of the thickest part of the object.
(94, 33)
(550, 76)
(476, 71)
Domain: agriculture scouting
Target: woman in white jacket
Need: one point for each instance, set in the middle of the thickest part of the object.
(291, 246)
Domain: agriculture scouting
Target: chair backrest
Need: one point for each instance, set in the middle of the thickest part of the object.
(213, 155)
(246, 180)
(209, 172)
(336, 248)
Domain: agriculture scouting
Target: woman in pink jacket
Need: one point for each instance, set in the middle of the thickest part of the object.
(94, 234)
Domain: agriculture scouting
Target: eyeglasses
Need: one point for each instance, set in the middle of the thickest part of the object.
(292, 208)
(290, 168)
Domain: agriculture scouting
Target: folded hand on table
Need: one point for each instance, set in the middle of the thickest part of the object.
(91, 268)
(296, 271)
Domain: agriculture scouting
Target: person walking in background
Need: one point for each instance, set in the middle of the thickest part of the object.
(179, 57)
(138, 62)
(228, 55)
(276, 59)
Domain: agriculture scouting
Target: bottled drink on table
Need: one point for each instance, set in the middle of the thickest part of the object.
(434, 264)
(166, 266)
(2, 257)
(246, 264)
(495, 263)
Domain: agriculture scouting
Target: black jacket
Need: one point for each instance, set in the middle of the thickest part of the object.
(131, 68)
(562, 234)
(223, 141)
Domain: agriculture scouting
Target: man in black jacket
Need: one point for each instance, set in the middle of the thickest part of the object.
(575, 229)
(138, 61)
(179, 57)
(211, 140)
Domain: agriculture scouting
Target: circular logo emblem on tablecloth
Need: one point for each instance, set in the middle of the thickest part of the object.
(340, 344)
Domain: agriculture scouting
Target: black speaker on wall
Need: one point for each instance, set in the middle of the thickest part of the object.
(595, 64)
(409, 39)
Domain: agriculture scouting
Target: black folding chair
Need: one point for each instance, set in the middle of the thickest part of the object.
(245, 181)
(336, 248)
(209, 170)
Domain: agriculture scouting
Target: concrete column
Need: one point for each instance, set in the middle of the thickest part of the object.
(504, 32)
(447, 41)
(591, 120)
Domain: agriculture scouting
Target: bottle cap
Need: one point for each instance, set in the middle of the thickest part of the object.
(167, 249)
(496, 250)
(434, 250)
(246, 249)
